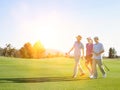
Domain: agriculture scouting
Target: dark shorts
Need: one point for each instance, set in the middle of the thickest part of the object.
(89, 58)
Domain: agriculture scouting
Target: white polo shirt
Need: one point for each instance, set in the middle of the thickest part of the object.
(98, 48)
(77, 48)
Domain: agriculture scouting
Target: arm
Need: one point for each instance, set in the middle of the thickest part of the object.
(97, 54)
(71, 50)
(101, 52)
(82, 52)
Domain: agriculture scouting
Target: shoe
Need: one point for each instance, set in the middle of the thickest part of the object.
(74, 76)
(82, 74)
(93, 77)
(104, 76)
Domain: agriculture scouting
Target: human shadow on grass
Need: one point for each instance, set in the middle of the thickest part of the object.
(39, 79)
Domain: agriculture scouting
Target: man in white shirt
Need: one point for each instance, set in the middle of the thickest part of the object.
(78, 47)
(98, 49)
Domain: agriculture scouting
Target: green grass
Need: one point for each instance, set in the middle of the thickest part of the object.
(53, 74)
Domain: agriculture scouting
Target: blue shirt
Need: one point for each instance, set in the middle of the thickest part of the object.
(97, 48)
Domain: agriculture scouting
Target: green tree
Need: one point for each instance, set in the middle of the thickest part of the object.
(9, 51)
(29, 51)
(39, 50)
(26, 51)
(112, 53)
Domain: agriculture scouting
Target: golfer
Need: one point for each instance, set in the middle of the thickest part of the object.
(77, 47)
(98, 49)
(89, 54)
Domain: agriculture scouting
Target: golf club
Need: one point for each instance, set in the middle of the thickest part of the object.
(106, 67)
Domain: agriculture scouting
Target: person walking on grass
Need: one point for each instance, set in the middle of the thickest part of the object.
(98, 49)
(77, 47)
(89, 54)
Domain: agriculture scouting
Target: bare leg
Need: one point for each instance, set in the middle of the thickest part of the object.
(87, 65)
(89, 62)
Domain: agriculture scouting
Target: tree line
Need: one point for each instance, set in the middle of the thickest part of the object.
(28, 50)
(38, 51)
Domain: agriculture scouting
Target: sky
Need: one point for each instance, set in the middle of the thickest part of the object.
(56, 23)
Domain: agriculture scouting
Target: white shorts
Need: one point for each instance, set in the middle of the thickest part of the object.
(77, 59)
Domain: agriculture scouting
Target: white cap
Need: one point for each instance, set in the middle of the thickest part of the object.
(96, 37)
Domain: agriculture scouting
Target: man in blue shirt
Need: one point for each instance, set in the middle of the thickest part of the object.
(98, 49)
